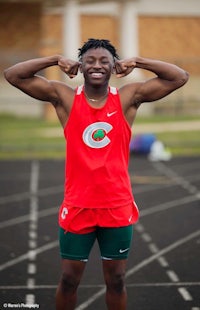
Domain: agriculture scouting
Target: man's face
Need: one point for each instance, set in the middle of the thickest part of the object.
(97, 66)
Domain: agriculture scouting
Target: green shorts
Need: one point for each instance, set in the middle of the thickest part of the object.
(114, 243)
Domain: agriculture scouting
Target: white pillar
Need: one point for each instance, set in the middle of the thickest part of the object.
(71, 33)
(129, 30)
(129, 45)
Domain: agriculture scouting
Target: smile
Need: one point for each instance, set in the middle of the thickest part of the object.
(96, 74)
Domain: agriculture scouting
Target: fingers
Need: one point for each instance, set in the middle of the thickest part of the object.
(125, 71)
(71, 71)
(124, 67)
(69, 67)
(119, 67)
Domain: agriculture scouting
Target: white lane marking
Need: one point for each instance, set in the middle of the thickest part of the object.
(31, 268)
(32, 255)
(149, 211)
(25, 218)
(141, 265)
(168, 205)
(139, 227)
(192, 190)
(153, 248)
(33, 225)
(163, 262)
(176, 178)
(26, 256)
(146, 237)
(26, 195)
(172, 276)
(90, 300)
(31, 283)
(185, 294)
(30, 299)
(32, 244)
(54, 286)
(129, 273)
(32, 233)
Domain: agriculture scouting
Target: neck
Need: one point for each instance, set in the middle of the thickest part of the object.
(97, 94)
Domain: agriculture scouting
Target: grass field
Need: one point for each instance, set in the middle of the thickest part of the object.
(22, 138)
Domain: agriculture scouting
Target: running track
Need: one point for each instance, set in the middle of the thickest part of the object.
(164, 265)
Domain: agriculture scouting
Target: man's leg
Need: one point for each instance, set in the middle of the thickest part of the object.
(74, 250)
(66, 294)
(114, 245)
(114, 272)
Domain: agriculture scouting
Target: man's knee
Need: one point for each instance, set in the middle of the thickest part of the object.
(68, 282)
(115, 283)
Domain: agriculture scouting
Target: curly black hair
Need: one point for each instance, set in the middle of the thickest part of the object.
(97, 43)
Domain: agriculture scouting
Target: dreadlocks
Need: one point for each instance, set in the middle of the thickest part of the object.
(97, 43)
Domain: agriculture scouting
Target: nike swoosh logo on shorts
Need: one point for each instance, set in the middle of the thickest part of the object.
(110, 114)
(130, 218)
(122, 251)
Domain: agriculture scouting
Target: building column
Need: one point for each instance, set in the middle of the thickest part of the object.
(71, 29)
(129, 30)
(129, 45)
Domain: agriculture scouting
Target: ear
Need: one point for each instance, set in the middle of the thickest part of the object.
(80, 67)
(114, 70)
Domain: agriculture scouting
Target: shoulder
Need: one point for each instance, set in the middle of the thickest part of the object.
(64, 96)
(62, 87)
(129, 94)
(64, 92)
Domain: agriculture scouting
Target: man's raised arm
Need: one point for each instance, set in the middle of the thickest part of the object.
(24, 76)
(169, 77)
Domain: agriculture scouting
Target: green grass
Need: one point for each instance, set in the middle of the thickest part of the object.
(166, 118)
(24, 138)
(181, 143)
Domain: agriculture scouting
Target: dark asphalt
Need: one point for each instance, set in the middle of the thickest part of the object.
(163, 270)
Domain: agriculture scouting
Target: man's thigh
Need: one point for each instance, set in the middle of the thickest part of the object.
(76, 246)
(115, 243)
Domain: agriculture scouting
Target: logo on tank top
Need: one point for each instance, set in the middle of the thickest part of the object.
(95, 135)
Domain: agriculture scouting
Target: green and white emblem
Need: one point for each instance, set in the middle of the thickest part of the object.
(95, 135)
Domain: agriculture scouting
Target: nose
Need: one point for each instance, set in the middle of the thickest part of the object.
(97, 64)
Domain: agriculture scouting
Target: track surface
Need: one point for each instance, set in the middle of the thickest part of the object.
(163, 269)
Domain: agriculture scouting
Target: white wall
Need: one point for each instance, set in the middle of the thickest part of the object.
(169, 7)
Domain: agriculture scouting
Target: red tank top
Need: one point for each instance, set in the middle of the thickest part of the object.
(97, 154)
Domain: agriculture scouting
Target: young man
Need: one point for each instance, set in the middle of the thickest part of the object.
(97, 119)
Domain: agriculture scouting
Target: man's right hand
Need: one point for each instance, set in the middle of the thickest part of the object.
(68, 66)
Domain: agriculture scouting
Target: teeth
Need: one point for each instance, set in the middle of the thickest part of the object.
(95, 74)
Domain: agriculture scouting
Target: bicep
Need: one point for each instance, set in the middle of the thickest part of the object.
(38, 87)
(153, 89)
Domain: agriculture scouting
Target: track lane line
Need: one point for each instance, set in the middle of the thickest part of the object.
(86, 286)
(149, 211)
(33, 226)
(30, 253)
(141, 265)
